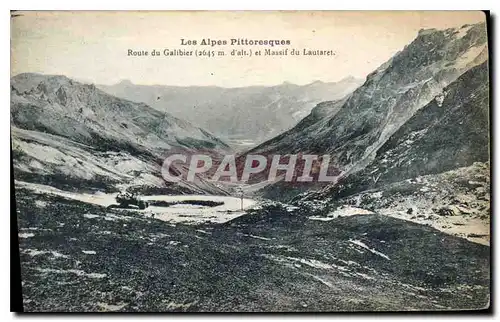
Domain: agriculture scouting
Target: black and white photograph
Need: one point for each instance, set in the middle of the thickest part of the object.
(251, 161)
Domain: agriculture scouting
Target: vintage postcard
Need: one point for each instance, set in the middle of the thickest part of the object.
(270, 161)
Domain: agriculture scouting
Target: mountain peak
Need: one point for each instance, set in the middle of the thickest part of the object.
(27, 81)
(349, 79)
(125, 82)
(423, 31)
(317, 82)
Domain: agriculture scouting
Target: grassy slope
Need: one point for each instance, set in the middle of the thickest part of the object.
(290, 264)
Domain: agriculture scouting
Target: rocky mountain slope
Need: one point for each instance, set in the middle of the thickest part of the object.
(451, 131)
(243, 116)
(353, 129)
(435, 169)
(63, 130)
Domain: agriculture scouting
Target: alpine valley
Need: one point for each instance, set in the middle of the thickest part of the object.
(404, 227)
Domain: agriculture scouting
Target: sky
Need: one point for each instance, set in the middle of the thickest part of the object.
(93, 46)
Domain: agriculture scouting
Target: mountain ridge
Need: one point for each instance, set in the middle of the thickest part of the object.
(448, 133)
(352, 130)
(101, 132)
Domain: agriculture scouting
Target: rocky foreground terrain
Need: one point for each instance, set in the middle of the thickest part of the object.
(77, 256)
(456, 202)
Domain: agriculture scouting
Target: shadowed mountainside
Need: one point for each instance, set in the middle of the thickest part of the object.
(354, 129)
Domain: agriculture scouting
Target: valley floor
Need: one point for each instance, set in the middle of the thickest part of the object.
(229, 208)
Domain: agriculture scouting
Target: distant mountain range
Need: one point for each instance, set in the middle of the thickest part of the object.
(242, 116)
